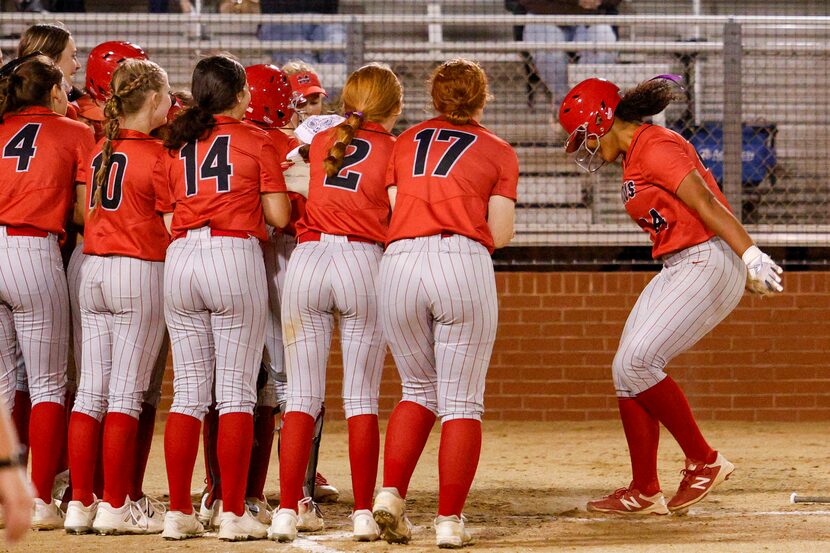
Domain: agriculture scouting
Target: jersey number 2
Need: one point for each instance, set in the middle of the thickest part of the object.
(461, 141)
(345, 179)
(113, 185)
(22, 146)
(216, 165)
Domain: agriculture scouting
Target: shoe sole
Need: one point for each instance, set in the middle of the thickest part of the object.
(630, 513)
(365, 538)
(386, 523)
(245, 537)
(179, 537)
(282, 538)
(681, 510)
(78, 530)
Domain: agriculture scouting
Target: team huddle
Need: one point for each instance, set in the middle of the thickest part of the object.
(210, 217)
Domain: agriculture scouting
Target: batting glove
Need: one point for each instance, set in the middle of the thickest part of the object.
(764, 275)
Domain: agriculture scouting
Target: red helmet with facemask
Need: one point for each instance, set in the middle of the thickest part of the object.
(270, 95)
(588, 109)
(102, 62)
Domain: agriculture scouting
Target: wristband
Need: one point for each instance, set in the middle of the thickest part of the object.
(751, 254)
(12, 461)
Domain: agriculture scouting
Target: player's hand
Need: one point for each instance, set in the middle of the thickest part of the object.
(589, 4)
(764, 275)
(16, 499)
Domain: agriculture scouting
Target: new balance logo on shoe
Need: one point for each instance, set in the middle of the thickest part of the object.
(630, 503)
(702, 483)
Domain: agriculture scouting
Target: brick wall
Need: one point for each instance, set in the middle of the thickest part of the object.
(769, 360)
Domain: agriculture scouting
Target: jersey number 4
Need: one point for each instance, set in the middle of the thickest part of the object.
(358, 150)
(216, 165)
(460, 142)
(657, 222)
(113, 184)
(22, 146)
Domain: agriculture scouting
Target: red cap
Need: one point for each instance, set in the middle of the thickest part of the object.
(306, 83)
(588, 109)
(88, 109)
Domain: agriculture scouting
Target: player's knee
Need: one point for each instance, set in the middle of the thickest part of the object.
(354, 406)
(460, 408)
(636, 370)
(309, 405)
(126, 403)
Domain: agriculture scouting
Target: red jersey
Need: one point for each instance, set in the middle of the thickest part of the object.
(445, 175)
(43, 153)
(284, 144)
(657, 161)
(128, 221)
(354, 202)
(217, 181)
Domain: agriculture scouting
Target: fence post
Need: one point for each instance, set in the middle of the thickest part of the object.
(354, 46)
(732, 115)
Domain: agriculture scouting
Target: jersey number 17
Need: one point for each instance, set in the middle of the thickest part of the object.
(460, 142)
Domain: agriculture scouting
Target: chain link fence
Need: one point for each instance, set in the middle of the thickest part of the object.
(756, 77)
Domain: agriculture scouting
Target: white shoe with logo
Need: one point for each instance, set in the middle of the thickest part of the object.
(283, 526)
(111, 520)
(389, 512)
(209, 516)
(79, 517)
(46, 516)
(241, 528)
(180, 526)
(309, 517)
(259, 509)
(149, 514)
(450, 532)
(364, 527)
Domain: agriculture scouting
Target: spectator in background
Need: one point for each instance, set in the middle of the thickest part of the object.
(163, 6)
(552, 65)
(331, 32)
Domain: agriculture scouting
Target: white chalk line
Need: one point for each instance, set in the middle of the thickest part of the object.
(309, 542)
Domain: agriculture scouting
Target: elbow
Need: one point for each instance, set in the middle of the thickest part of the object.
(502, 239)
(280, 213)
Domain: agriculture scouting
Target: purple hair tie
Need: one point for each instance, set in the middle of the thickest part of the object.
(350, 113)
(676, 79)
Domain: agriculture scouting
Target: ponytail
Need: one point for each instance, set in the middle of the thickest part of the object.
(459, 89)
(192, 124)
(646, 99)
(344, 136)
(28, 81)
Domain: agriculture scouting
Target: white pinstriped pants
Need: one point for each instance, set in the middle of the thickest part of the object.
(696, 289)
(122, 319)
(215, 305)
(73, 280)
(440, 313)
(277, 251)
(34, 316)
(333, 275)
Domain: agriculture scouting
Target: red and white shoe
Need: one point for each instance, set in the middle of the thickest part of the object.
(323, 491)
(698, 481)
(628, 501)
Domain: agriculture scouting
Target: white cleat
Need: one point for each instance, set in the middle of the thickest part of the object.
(323, 491)
(259, 509)
(450, 532)
(179, 526)
(283, 526)
(60, 485)
(241, 528)
(46, 516)
(309, 517)
(114, 521)
(389, 512)
(364, 526)
(149, 515)
(79, 517)
(209, 516)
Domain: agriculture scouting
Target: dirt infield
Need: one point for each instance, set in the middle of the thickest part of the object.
(532, 485)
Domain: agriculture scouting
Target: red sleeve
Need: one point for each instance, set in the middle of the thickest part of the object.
(270, 172)
(161, 185)
(83, 150)
(665, 162)
(508, 182)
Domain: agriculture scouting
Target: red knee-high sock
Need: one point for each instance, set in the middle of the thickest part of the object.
(364, 450)
(406, 435)
(264, 424)
(47, 437)
(233, 448)
(63, 460)
(667, 402)
(209, 435)
(99, 466)
(84, 433)
(457, 463)
(642, 432)
(144, 441)
(181, 446)
(295, 448)
(20, 416)
(119, 457)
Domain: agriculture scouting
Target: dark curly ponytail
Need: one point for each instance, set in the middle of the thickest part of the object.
(646, 99)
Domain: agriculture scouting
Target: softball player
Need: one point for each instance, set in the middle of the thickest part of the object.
(334, 270)
(42, 152)
(120, 300)
(672, 196)
(455, 184)
(224, 176)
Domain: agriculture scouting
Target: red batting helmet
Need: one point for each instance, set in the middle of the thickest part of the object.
(588, 109)
(270, 95)
(103, 59)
